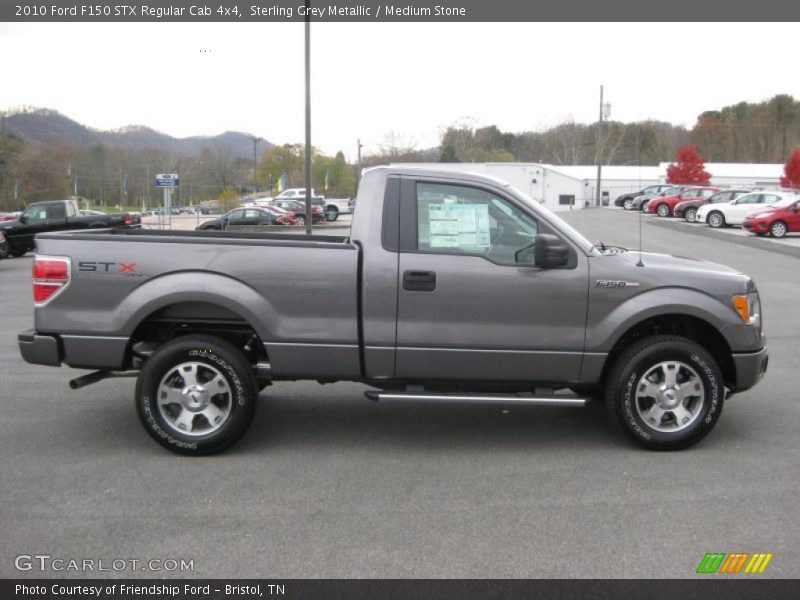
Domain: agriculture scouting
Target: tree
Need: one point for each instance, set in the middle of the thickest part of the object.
(791, 172)
(690, 168)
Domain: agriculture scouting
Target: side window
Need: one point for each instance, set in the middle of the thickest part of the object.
(37, 213)
(749, 199)
(735, 195)
(454, 219)
(690, 194)
(57, 211)
(706, 193)
(768, 199)
(71, 210)
(236, 215)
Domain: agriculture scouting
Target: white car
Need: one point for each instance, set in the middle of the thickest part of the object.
(733, 212)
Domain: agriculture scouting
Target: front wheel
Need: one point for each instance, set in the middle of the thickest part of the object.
(196, 395)
(777, 229)
(662, 210)
(628, 204)
(301, 219)
(331, 213)
(690, 215)
(666, 392)
(17, 252)
(716, 220)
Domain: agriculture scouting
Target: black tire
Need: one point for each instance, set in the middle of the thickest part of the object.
(210, 354)
(331, 213)
(3, 251)
(778, 229)
(716, 219)
(301, 219)
(690, 215)
(17, 252)
(662, 210)
(628, 373)
(628, 204)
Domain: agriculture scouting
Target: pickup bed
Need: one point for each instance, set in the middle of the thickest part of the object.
(56, 215)
(451, 287)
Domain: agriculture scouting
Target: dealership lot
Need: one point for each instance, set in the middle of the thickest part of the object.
(328, 484)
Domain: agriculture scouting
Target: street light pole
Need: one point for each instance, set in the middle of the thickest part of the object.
(308, 116)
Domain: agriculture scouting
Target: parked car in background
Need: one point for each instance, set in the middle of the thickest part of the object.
(688, 208)
(57, 215)
(299, 209)
(294, 194)
(246, 216)
(734, 212)
(664, 205)
(779, 219)
(640, 202)
(9, 216)
(626, 200)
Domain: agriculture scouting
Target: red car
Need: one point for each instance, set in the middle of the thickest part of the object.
(778, 219)
(665, 206)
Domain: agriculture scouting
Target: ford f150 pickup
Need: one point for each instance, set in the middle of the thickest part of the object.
(57, 215)
(451, 287)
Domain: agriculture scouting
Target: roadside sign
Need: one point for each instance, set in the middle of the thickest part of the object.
(167, 180)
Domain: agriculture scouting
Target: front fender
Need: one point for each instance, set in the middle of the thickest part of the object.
(608, 321)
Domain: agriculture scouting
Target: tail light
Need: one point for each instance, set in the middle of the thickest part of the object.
(127, 219)
(51, 275)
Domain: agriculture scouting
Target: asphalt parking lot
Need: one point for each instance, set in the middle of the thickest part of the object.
(328, 484)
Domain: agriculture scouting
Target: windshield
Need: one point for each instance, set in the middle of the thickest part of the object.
(555, 220)
(785, 203)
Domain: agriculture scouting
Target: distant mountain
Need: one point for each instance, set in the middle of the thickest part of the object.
(45, 126)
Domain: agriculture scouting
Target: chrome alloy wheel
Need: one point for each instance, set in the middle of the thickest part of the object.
(194, 398)
(670, 396)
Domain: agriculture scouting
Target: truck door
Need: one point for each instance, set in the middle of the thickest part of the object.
(471, 306)
(33, 220)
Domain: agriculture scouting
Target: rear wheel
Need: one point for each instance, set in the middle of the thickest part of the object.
(196, 395)
(331, 213)
(690, 215)
(666, 392)
(662, 210)
(716, 219)
(778, 229)
(301, 219)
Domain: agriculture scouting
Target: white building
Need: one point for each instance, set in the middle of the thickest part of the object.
(561, 187)
(570, 187)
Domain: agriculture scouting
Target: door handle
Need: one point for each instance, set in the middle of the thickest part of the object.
(419, 281)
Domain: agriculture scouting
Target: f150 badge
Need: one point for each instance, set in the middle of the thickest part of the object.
(609, 283)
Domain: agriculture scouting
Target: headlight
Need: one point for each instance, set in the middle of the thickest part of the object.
(748, 306)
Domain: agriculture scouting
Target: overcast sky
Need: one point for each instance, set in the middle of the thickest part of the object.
(370, 78)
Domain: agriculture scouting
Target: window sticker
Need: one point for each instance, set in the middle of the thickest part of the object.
(459, 225)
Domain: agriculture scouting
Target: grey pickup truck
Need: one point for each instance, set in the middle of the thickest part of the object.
(451, 287)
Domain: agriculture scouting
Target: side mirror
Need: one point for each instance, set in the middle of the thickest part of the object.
(550, 251)
(23, 219)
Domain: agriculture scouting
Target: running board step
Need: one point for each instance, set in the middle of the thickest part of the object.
(505, 399)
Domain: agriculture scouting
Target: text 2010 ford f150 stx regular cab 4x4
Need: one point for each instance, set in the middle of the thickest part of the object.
(451, 287)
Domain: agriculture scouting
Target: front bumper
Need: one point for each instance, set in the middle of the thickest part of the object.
(755, 226)
(750, 368)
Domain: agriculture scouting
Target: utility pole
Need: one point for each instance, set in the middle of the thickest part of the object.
(358, 163)
(308, 116)
(4, 163)
(599, 149)
(255, 165)
(605, 112)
